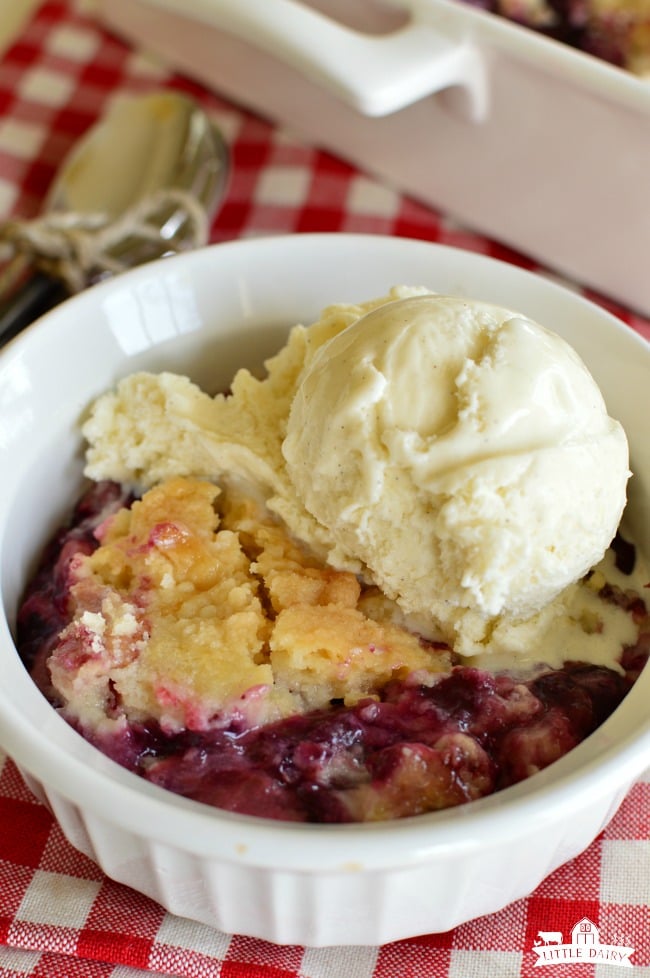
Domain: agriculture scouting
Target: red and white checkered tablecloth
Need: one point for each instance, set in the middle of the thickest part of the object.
(60, 917)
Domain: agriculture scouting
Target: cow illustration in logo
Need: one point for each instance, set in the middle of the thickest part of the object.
(585, 946)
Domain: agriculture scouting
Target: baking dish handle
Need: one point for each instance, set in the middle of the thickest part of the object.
(376, 74)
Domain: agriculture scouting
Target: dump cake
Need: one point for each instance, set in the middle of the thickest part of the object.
(228, 631)
(617, 31)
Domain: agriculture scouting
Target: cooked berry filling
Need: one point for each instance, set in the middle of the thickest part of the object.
(611, 32)
(420, 743)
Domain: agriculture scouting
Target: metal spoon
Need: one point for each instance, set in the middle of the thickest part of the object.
(143, 145)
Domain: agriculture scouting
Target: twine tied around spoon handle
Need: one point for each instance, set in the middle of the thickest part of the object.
(78, 249)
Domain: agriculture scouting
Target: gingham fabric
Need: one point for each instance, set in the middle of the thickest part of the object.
(59, 916)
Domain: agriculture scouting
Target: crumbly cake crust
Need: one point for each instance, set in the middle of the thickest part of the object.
(189, 617)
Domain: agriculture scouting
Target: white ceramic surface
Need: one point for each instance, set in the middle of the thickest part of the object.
(204, 314)
(520, 137)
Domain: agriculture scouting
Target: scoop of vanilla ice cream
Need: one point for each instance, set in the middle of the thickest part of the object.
(463, 454)
(153, 427)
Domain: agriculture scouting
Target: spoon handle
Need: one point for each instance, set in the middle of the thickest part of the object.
(30, 300)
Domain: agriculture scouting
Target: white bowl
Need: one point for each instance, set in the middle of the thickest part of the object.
(205, 314)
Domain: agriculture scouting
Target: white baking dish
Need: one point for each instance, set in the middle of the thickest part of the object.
(526, 140)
